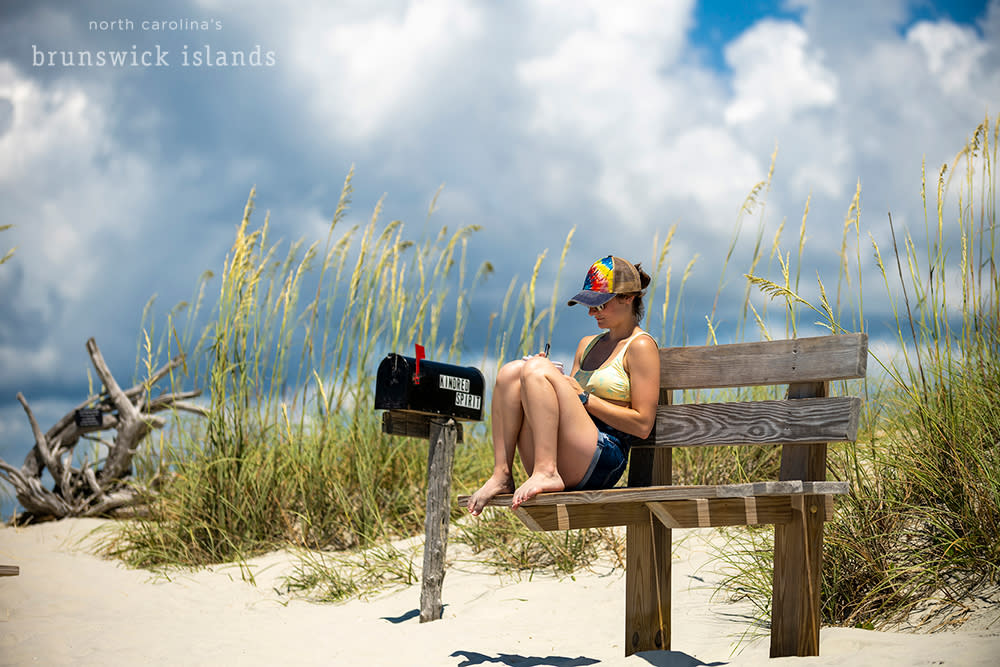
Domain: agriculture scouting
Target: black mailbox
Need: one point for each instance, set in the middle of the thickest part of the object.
(438, 389)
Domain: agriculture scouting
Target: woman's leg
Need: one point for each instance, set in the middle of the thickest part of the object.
(563, 436)
(507, 416)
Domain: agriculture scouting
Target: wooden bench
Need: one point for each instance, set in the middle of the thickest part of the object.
(797, 503)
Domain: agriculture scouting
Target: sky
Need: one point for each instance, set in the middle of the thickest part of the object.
(619, 119)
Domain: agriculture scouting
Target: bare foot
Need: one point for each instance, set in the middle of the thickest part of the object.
(494, 485)
(537, 483)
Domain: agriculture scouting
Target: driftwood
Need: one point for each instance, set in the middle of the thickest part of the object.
(94, 488)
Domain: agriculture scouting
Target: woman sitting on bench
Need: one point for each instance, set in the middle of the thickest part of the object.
(573, 432)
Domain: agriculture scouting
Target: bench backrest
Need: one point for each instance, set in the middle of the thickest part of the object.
(806, 417)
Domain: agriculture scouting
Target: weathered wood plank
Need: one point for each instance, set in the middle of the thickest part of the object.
(623, 494)
(705, 513)
(801, 421)
(441, 455)
(798, 549)
(784, 487)
(411, 424)
(692, 513)
(569, 517)
(838, 357)
(647, 463)
(648, 547)
(647, 586)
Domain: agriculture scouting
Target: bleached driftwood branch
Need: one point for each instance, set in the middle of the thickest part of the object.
(88, 490)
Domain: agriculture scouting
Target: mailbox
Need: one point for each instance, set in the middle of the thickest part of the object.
(429, 387)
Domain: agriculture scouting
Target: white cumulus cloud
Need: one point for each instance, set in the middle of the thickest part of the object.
(776, 74)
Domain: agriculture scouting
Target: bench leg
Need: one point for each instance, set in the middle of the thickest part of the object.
(647, 587)
(798, 557)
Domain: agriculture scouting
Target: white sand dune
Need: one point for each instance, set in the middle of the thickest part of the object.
(69, 607)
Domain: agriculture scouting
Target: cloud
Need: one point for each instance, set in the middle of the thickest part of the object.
(362, 75)
(46, 152)
(775, 73)
(93, 224)
(953, 53)
(57, 143)
(628, 120)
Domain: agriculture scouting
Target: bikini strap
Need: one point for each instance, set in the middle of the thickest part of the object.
(621, 355)
(634, 336)
(590, 346)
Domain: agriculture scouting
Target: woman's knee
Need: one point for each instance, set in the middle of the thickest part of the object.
(538, 365)
(510, 373)
(536, 369)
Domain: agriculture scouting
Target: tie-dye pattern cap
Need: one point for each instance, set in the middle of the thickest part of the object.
(606, 278)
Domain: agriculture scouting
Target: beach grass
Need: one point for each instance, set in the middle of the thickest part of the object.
(919, 531)
(10, 253)
(291, 451)
(501, 541)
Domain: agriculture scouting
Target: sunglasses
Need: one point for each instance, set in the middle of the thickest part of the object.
(599, 308)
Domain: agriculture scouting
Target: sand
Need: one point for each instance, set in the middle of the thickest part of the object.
(69, 607)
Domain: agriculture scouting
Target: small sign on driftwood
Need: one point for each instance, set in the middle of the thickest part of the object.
(88, 417)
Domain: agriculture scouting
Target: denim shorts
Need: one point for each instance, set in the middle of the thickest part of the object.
(609, 460)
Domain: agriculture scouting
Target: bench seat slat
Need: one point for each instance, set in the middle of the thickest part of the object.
(774, 362)
(623, 494)
(565, 517)
(796, 421)
(692, 513)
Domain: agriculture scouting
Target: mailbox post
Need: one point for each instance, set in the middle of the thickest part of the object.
(439, 466)
(428, 399)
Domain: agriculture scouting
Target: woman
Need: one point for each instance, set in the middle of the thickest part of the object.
(574, 432)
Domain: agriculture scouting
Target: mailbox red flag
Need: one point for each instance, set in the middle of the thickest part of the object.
(420, 354)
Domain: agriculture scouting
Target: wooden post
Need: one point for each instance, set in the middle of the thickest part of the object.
(647, 557)
(798, 549)
(443, 435)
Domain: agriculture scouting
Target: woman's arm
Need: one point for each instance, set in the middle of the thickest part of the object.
(642, 363)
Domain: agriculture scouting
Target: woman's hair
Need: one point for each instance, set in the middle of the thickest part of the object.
(638, 308)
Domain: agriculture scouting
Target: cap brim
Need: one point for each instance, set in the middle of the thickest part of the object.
(591, 299)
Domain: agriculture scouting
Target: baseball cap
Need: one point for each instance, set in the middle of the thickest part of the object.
(606, 278)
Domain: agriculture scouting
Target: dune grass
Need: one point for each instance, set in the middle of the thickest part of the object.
(292, 451)
(920, 529)
(10, 253)
(502, 542)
